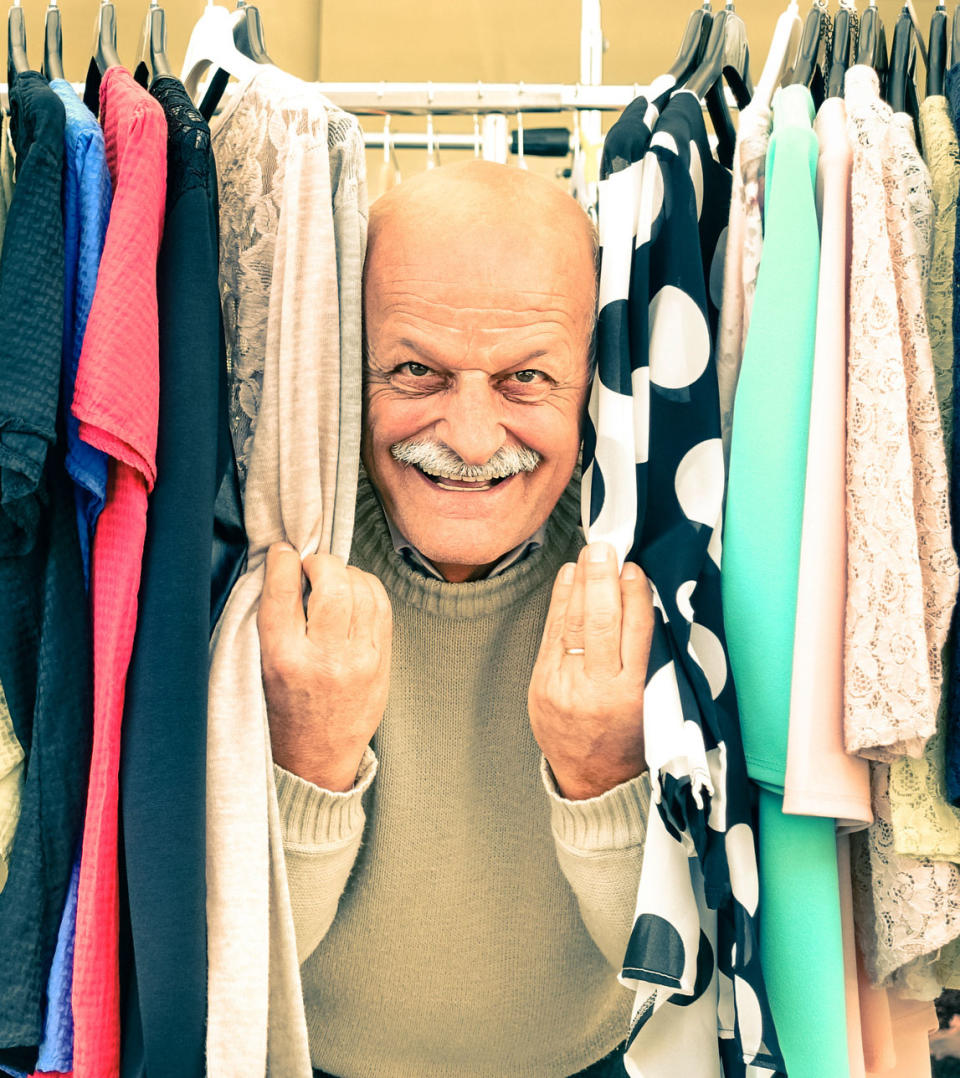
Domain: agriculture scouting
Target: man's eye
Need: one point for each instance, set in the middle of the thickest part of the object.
(529, 377)
(418, 370)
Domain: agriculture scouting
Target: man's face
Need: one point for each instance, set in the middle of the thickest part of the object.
(477, 341)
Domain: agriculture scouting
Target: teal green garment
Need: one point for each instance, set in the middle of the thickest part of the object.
(801, 947)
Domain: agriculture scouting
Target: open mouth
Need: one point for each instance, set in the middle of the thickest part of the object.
(470, 486)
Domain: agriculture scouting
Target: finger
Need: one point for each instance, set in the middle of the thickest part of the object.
(551, 643)
(573, 618)
(330, 604)
(602, 614)
(280, 613)
(363, 614)
(383, 637)
(637, 630)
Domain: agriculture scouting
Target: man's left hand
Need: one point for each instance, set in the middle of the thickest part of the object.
(586, 693)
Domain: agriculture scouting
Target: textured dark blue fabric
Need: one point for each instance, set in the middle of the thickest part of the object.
(952, 735)
(86, 210)
(44, 633)
(163, 763)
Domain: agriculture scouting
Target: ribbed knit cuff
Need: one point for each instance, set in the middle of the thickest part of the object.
(614, 820)
(311, 816)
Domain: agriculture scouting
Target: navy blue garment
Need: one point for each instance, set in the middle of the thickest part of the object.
(163, 762)
(45, 663)
(952, 734)
(86, 210)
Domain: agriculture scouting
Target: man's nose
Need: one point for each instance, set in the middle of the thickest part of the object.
(471, 424)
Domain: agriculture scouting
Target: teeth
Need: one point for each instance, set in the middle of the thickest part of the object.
(443, 486)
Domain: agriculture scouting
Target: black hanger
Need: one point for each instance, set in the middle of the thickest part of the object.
(872, 47)
(695, 38)
(52, 67)
(811, 41)
(937, 51)
(840, 54)
(902, 62)
(155, 41)
(105, 49)
(17, 61)
(727, 57)
(248, 34)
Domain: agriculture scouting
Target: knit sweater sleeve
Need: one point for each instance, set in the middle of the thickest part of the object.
(599, 844)
(322, 831)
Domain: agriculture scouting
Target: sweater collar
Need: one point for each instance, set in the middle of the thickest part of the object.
(375, 551)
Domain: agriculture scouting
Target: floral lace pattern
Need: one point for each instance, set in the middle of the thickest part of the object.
(888, 708)
(908, 908)
(925, 824)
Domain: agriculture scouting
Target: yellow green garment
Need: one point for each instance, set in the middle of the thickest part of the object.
(11, 785)
(924, 823)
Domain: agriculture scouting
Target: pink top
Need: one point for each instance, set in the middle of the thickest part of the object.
(821, 779)
(116, 402)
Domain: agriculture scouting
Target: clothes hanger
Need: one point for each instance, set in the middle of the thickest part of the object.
(902, 62)
(105, 42)
(695, 38)
(782, 55)
(17, 61)
(153, 41)
(248, 33)
(955, 38)
(937, 51)
(52, 67)
(727, 57)
(211, 44)
(844, 32)
(872, 45)
(811, 42)
(433, 157)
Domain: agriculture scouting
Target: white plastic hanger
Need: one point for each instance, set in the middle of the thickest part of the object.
(782, 54)
(211, 45)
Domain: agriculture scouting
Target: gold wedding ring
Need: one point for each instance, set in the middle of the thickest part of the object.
(574, 651)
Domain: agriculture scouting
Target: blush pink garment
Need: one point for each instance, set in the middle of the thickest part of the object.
(821, 779)
(876, 1026)
(911, 1023)
(116, 402)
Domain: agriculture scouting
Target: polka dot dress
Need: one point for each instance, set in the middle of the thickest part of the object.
(653, 486)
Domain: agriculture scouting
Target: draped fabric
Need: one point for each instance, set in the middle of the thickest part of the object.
(280, 255)
(44, 631)
(653, 486)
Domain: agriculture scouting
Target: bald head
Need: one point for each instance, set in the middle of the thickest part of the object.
(471, 218)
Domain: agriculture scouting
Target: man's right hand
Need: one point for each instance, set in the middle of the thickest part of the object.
(326, 673)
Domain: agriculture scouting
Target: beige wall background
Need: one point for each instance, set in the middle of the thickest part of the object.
(420, 40)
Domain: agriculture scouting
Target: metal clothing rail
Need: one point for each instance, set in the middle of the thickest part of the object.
(477, 98)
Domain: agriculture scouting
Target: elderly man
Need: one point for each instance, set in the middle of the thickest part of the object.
(456, 717)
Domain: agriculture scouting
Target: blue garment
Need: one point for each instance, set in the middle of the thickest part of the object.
(952, 735)
(86, 210)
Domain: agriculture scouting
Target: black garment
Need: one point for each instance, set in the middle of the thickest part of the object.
(163, 762)
(45, 656)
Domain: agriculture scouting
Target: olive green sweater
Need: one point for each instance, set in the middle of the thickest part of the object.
(470, 921)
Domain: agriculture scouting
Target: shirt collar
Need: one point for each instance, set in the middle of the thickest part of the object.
(416, 561)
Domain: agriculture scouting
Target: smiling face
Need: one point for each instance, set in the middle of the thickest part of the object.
(479, 293)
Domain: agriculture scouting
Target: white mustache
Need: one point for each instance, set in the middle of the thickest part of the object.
(440, 460)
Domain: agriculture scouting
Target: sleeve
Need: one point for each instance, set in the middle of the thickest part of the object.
(599, 845)
(322, 831)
